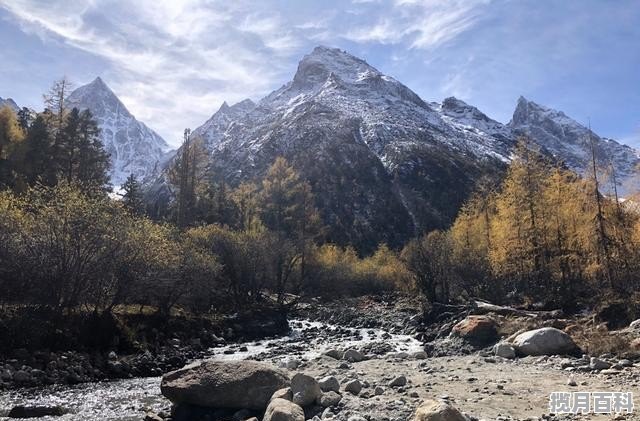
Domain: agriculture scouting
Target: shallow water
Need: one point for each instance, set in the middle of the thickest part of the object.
(127, 400)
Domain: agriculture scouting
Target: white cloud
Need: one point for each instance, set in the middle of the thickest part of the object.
(421, 24)
(172, 62)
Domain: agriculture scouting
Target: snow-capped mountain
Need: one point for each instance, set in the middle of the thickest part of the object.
(9, 103)
(384, 164)
(569, 141)
(134, 148)
(213, 129)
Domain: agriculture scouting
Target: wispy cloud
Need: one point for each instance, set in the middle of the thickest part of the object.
(173, 62)
(420, 24)
(164, 53)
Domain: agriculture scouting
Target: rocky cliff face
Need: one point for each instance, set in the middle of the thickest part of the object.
(134, 148)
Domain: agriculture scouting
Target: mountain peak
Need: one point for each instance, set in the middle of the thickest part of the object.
(453, 102)
(99, 83)
(315, 68)
(96, 95)
(457, 108)
(239, 107)
(224, 107)
(132, 146)
(528, 111)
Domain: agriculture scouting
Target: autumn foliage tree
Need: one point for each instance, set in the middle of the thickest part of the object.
(540, 235)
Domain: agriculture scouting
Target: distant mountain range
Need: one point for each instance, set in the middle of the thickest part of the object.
(383, 163)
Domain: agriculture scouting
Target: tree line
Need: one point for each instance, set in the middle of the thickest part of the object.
(58, 144)
(543, 235)
(68, 245)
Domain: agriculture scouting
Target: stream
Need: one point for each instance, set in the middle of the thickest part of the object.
(128, 400)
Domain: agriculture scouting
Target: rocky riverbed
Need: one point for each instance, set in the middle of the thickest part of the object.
(388, 371)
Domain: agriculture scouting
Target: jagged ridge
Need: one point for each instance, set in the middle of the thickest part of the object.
(384, 164)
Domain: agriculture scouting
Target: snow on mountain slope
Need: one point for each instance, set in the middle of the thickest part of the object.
(383, 163)
(389, 112)
(134, 148)
(213, 129)
(569, 141)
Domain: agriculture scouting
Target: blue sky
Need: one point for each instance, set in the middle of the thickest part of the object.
(174, 62)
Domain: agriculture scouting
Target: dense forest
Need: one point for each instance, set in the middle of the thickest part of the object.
(68, 243)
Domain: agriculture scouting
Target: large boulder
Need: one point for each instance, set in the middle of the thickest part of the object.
(477, 330)
(431, 410)
(305, 389)
(224, 384)
(283, 410)
(545, 341)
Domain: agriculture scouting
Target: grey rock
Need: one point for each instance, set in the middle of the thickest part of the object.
(432, 410)
(598, 364)
(334, 353)
(289, 363)
(329, 383)
(504, 350)
(152, 416)
(284, 393)
(305, 389)
(353, 386)
(21, 376)
(353, 355)
(419, 355)
(330, 399)
(398, 381)
(283, 410)
(224, 384)
(327, 414)
(545, 341)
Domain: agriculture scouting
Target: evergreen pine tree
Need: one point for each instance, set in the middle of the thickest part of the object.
(93, 160)
(132, 196)
(79, 153)
(40, 165)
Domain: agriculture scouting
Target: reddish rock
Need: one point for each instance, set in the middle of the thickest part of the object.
(478, 330)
